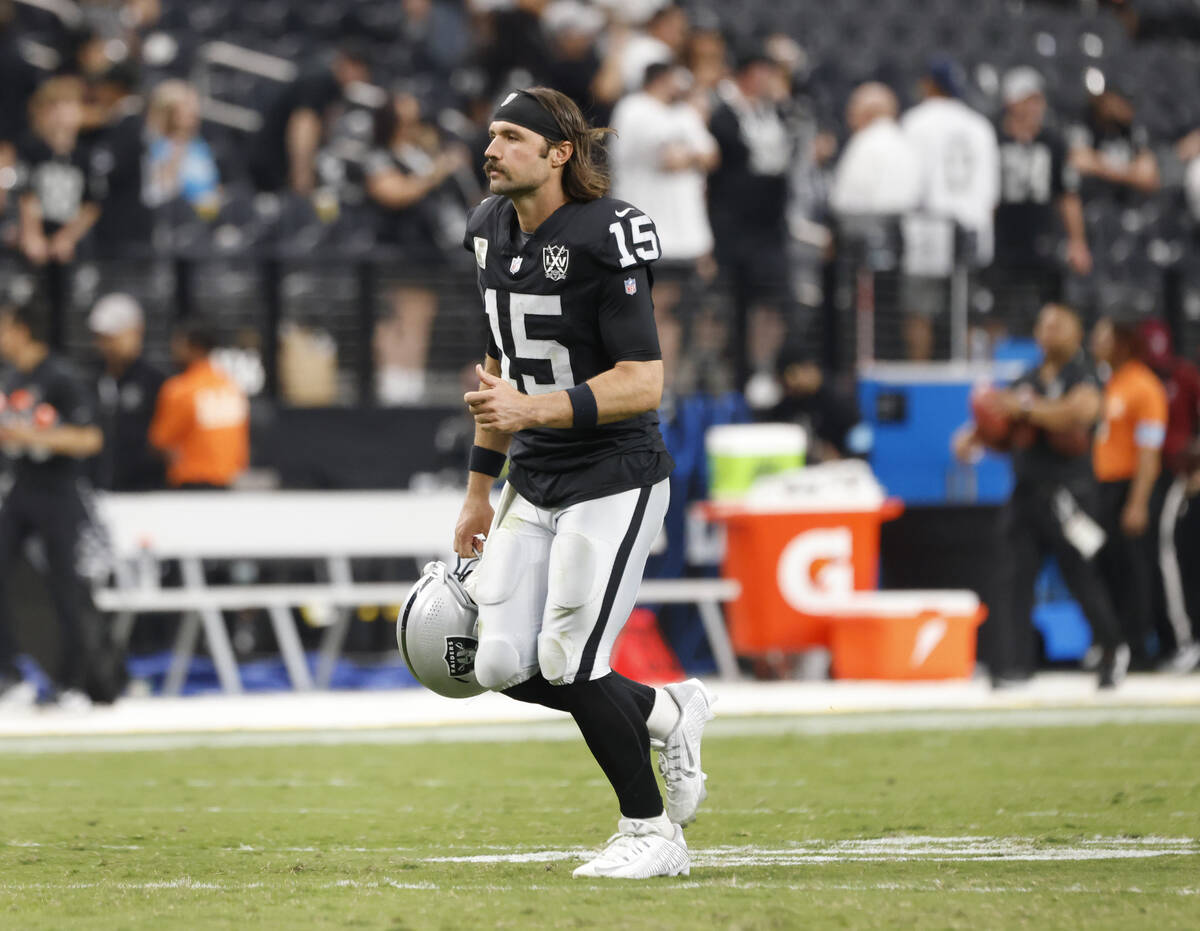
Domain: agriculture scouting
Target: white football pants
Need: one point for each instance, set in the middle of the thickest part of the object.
(555, 586)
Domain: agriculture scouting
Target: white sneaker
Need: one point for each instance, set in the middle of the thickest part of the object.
(1091, 659)
(1183, 660)
(73, 700)
(679, 754)
(16, 693)
(638, 851)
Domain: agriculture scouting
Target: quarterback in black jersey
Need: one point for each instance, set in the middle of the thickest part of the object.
(568, 391)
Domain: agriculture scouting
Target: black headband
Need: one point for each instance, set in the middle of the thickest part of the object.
(522, 108)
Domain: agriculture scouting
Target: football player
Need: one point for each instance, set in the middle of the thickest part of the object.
(568, 393)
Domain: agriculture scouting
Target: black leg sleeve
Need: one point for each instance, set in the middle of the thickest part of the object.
(615, 731)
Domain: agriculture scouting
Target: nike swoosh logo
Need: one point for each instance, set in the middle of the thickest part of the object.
(622, 213)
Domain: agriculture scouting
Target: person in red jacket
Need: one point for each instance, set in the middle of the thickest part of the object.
(1181, 378)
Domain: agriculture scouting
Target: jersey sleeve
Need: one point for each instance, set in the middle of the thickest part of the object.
(626, 317)
(626, 239)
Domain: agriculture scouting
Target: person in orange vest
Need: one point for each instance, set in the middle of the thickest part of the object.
(1126, 458)
(202, 420)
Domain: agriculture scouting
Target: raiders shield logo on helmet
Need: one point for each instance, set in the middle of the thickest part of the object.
(554, 261)
(460, 656)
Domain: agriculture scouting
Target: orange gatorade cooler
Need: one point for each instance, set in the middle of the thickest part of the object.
(795, 567)
(905, 635)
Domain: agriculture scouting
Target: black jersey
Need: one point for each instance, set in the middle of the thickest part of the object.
(1041, 463)
(51, 394)
(1033, 176)
(563, 305)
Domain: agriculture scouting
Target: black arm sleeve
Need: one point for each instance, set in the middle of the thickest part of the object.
(627, 326)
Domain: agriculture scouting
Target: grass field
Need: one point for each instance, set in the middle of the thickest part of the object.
(1080, 827)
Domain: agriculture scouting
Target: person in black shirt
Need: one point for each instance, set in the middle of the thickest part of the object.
(293, 124)
(57, 194)
(748, 197)
(569, 389)
(829, 415)
(417, 182)
(126, 392)
(1039, 200)
(116, 142)
(47, 428)
(1054, 503)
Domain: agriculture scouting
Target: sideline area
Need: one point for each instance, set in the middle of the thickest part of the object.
(415, 715)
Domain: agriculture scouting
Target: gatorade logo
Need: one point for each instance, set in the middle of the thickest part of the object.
(930, 634)
(816, 571)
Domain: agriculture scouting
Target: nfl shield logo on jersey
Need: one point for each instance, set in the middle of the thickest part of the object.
(631, 286)
(515, 265)
(554, 262)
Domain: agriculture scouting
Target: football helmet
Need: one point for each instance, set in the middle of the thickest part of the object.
(436, 631)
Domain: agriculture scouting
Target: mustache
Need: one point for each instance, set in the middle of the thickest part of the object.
(490, 165)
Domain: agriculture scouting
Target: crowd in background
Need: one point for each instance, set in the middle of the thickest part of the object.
(114, 144)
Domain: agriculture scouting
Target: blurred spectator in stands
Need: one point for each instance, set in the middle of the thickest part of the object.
(18, 81)
(957, 155)
(1127, 459)
(747, 205)
(878, 173)
(127, 388)
(827, 410)
(201, 423)
(421, 186)
(661, 156)
(58, 195)
(1038, 200)
(179, 162)
(117, 156)
(1181, 379)
(436, 35)
(707, 58)
(283, 152)
(1054, 507)
(48, 429)
(1112, 150)
(662, 39)
(572, 60)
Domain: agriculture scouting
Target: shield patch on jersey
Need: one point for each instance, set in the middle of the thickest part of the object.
(480, 251)
(515, 265)
(631, 286)
(460, 656)
(554, 261)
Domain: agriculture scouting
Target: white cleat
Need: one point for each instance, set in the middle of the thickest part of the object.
(679, 755)
(638, 851)
(16, 694)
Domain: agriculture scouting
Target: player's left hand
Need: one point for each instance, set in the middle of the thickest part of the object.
(1135, 518)
(500, 407)
(18, 434)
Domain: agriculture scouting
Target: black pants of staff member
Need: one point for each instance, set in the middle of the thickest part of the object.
(1187, 547)
(1127, 566)
(57, 515)
(1032, 528)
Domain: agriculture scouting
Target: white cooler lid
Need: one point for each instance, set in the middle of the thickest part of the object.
(946, 602)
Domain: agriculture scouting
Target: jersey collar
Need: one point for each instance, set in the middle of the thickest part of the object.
(550, 228)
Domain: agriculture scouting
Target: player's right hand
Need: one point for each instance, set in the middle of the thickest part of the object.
(474, 520)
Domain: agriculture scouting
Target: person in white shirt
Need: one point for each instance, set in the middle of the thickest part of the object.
(959, 159)
(660, 157)
(878, 172)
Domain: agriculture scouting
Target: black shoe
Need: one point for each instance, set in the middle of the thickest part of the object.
(1113, 666)
(1012, 679)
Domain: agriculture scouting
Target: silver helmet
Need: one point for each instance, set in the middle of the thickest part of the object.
(436, 632)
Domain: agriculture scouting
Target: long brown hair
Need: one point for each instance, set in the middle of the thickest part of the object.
(585, 176)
